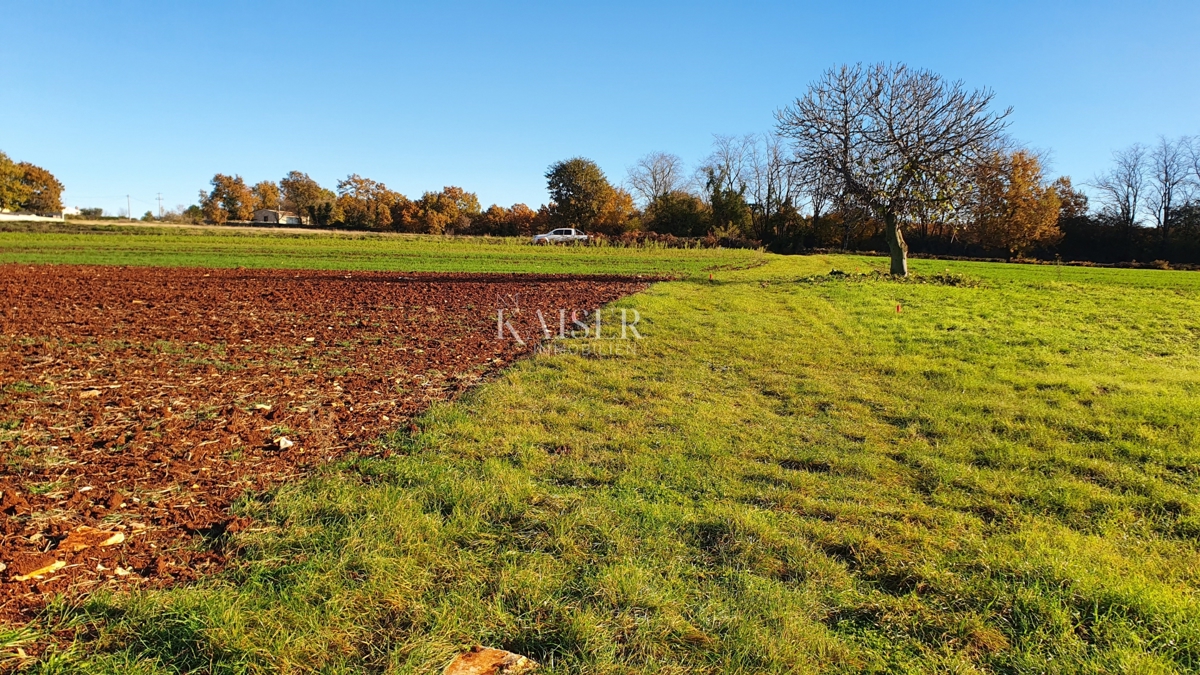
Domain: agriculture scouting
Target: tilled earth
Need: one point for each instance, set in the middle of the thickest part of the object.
(138, 403)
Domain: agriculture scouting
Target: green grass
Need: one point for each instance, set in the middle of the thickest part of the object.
(788, 476)
(137, 245)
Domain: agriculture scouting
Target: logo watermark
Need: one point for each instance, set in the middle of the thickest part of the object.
(583, 332)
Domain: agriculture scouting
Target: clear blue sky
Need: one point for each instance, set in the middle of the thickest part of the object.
(141, 97)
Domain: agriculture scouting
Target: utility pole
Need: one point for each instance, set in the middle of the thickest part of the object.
(160, 206)
(128, 208)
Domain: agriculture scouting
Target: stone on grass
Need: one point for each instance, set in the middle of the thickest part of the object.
(487, 661)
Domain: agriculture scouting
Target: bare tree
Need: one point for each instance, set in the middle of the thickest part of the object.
(1121, 187)
(729, 161)
(893, 139)
(1193, 148)
(655, 175)
(1169, 178)
(773, 183)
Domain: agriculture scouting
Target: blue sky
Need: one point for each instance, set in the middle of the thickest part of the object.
(142, 98)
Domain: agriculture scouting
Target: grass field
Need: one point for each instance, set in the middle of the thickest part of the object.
(248, 247)
(789, 475)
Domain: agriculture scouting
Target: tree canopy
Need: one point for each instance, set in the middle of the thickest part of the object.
(450, 210)
(13, 191)
(365, 203)
(1013, 209)
(230, 199)
(678, 213)
(898, 141)
(266, 195)
(306, 197)
(28, 187)
(44, 190)
(579, 193)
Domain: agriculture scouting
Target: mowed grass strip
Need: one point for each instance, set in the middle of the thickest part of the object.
(139, 245)
(789, 475)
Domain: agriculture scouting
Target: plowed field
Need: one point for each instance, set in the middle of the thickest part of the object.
(139, 403)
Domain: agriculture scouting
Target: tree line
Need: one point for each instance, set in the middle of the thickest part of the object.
(1148, 207)
(771, 190)
(361, 203)
(885, 157)
(870, 158)
(877, 157)
(581, 196)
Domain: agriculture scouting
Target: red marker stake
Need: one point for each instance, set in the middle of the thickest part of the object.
(897, 308)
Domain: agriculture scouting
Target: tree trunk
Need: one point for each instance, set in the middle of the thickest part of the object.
(896, 245)
(816, 222)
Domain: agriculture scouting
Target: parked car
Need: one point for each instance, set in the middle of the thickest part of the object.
(562, 235)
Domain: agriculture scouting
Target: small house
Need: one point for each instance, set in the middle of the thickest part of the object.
(277, 217)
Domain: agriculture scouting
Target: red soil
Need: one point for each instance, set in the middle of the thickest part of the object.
(144, 401)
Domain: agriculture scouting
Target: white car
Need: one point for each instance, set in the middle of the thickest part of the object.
(562, 235)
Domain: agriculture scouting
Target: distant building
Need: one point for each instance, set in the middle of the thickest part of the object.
(9, 215)
(72, 211)
(277, 217)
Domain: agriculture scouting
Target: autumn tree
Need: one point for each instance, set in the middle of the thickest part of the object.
(896, 140)
(405, 214)
(28, 187)
(505, 222)
(1072, 203)
(43, 191)
(306, 197)
(230, 199)
(1013, 208)
(266, 195)
(365, 203)
(616, 213)
(211, 207)
(493, 221)
(13, 190)
(521, 220)
(448, 211)
(582, 197)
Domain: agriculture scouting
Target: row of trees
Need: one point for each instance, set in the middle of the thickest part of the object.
(1149, 206)
(870, 157)
(362, 203)
(755, 187)
(28, 188)
(887, 156)
(749, 188)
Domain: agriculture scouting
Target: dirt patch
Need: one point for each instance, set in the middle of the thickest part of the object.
(138, 403)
